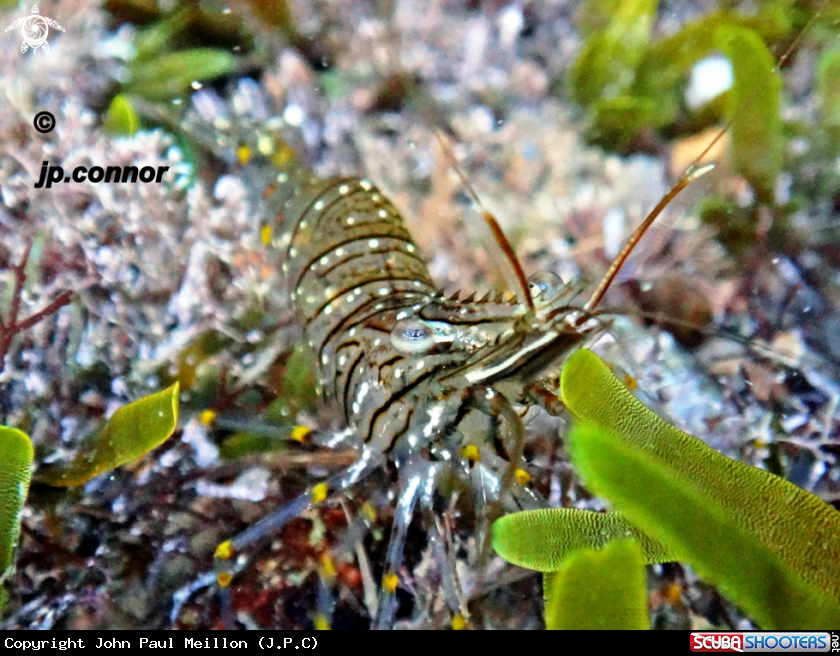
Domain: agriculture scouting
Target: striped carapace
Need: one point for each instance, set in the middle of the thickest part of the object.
(404, 364)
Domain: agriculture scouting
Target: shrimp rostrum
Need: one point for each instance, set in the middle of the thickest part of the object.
(405, 365)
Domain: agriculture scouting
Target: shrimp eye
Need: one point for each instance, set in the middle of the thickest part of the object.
(545, 284)
(413, 337)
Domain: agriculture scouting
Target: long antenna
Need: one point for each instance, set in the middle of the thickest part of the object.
(693, 172)
(495, 228)
(783, 59)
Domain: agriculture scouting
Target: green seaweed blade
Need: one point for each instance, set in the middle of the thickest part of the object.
(600, 589)
(15, 473)
(132, 431)
(769, 545)
(543, 539)
(754, 108)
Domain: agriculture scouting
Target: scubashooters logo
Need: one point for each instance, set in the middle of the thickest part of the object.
(35, 29)
(762, 641)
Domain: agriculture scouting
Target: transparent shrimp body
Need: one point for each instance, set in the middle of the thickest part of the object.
(408, 368)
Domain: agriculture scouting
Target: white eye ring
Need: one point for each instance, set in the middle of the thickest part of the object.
(545, 284)
(413, 337)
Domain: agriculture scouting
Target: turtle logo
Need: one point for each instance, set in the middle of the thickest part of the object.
(35, 29)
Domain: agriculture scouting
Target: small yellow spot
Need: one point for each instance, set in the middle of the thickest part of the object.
(630, 382)
(299, 434)
(207, 417)
(458, 623)
(265, 235)
(282, 156)
(243, 155)
(223, 579)
(327, 566)
(471, 453)
(322, 623)
(522, 477)
(319, 492)
(389, 582)
(368, 511)
(224, 550)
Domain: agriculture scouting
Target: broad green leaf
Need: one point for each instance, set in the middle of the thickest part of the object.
(121, 117)
(131, 432)
(609, 58)
(754, 108)
(603, 589)
(543, 539)
(770, 546)
(172, 74)
(15, 473)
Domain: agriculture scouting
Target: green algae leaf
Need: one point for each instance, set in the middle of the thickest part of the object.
(770, 546)
(15, 474)
(543, 539)
(757, 138)
(600, 589)
(609, 58)
(172, 74)
(130, 433)
(121, 117)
